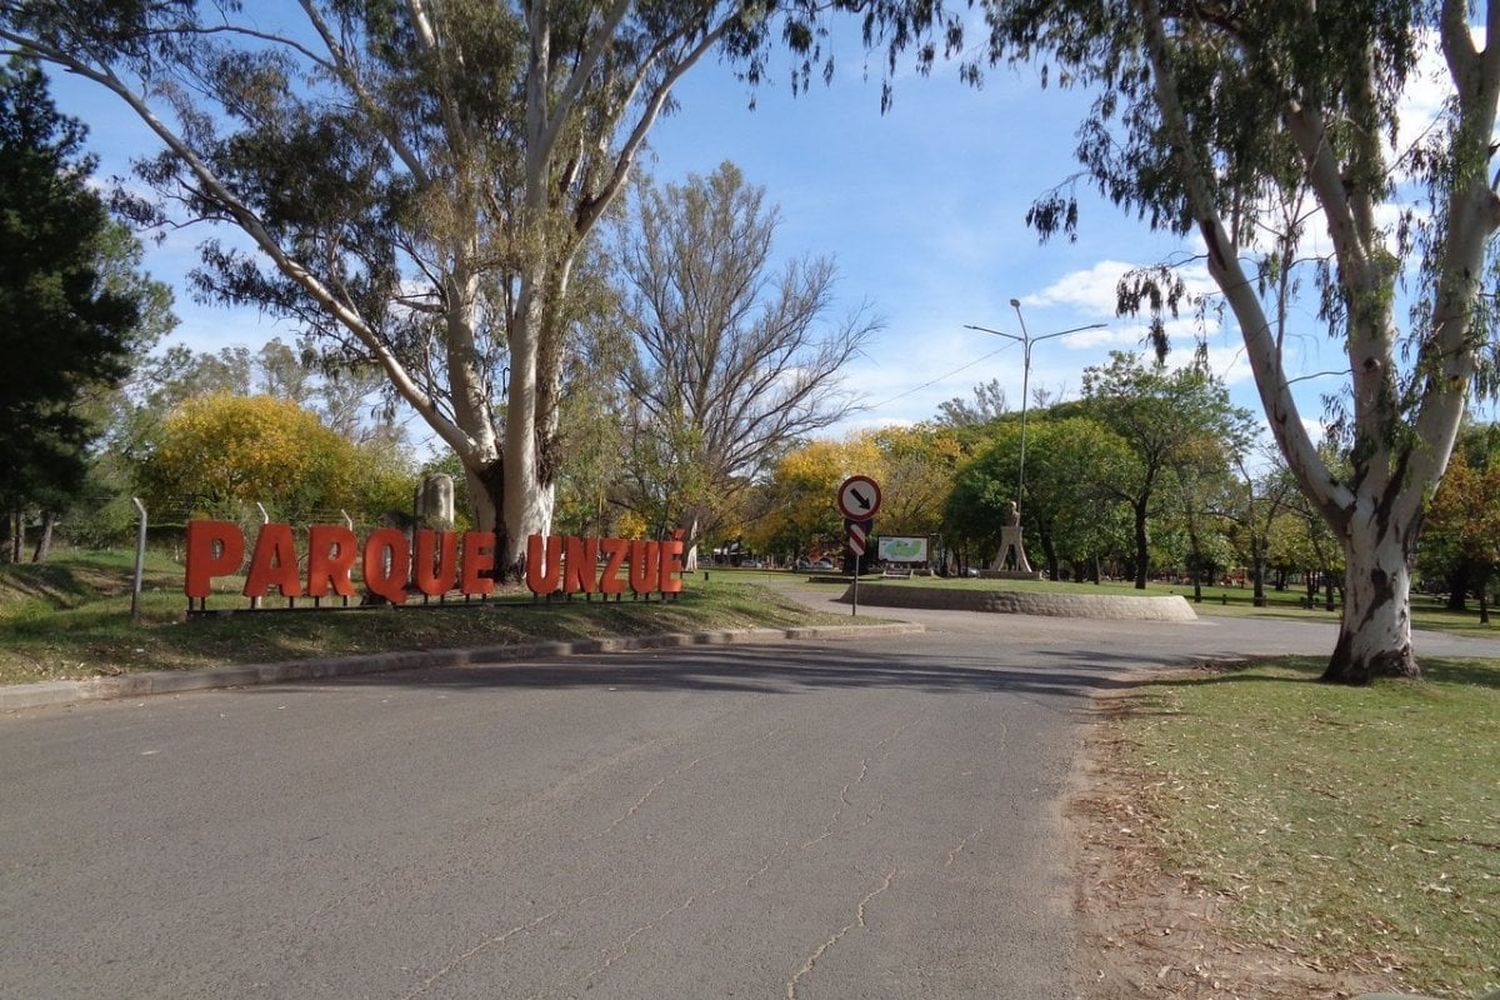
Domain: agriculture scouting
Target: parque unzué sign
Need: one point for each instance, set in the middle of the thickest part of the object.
(429, 561)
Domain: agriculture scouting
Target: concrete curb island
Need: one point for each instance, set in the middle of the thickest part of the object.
(1116, 607)
(44, 693)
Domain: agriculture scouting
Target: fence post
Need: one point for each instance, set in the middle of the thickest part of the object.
(348, 521)
(264, 517)
(140, 562)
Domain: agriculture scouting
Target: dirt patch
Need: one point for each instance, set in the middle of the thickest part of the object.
(1147, 931)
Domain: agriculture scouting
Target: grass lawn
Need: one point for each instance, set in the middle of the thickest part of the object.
(1357, 826)
(70, 618)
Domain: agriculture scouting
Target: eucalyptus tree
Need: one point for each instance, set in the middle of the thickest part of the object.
(733, 361)
(415, 181)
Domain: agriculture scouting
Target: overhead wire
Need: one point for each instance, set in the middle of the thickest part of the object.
(942, 378)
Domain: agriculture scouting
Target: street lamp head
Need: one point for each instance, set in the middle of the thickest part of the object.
(1016, 303)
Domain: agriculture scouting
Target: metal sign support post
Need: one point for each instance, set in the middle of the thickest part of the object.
(140, 562)
(854, 611)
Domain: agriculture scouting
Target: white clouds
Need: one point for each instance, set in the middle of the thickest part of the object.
(1094, 292)
(1091, 290)
(1110, 338)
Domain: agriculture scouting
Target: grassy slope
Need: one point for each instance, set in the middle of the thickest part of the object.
(1360, 826)
(71, 618)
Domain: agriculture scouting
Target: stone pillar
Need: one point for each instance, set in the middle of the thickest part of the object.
(435, 502)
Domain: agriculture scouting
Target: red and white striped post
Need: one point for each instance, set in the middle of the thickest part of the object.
(859, 537)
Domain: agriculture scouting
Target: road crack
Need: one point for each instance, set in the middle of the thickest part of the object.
(676, 772)
(635, 808)
(501, 938)
(822, 949)
(961, 845)
(504, 936)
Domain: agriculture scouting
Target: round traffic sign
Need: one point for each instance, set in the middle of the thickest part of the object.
(859, 498)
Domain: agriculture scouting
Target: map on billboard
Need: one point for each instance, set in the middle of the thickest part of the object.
(898, 549)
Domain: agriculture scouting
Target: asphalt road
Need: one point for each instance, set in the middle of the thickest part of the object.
(854, 819)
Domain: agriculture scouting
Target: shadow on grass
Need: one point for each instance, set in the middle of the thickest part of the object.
(1481, 673)
(58, 585)
(1435, 670)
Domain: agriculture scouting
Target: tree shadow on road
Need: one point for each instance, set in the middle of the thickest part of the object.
(792, 669)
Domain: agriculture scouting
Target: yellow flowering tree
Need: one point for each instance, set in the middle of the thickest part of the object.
(221, 454)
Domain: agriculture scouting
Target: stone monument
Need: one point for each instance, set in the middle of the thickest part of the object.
(1012, 550)
(435, 502)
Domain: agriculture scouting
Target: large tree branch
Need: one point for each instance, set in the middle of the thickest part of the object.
(604, 35)
(343, 68)
(1458, 44)
(590, 212)
(1473, 212)
(453, 123)
(1332, 497)
(214, 189)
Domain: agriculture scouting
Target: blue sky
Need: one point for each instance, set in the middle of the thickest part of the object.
(923, 208)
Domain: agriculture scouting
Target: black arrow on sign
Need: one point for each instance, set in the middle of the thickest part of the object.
(864, 503)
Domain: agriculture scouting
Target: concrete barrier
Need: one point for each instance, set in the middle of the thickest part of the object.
(1119, 607)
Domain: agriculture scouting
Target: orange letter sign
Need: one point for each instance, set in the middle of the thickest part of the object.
(671, 566)
(645, 564)
(331, 551)
(580, 565)
(543, 576)
(435, 584)
(214, 548)
(274, 563)
(390, 584)
(614, 555)
(479, 555)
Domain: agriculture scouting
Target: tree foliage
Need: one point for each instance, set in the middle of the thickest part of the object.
(76, 308)
(221, 454)
(800, 517)
(1173, 422)
(1071, 464)
(988, 403)
(1461, 531)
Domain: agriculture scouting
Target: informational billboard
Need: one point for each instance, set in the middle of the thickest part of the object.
(894, 548)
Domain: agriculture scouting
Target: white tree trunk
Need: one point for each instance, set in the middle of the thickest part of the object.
(692, 525)
(520, 513)
(1375, 633)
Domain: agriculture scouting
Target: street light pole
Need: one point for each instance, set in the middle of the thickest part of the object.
(1026, 341)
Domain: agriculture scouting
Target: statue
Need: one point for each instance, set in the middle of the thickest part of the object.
(1010, 542)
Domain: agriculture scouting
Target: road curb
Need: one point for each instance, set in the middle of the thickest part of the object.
(45, 693)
